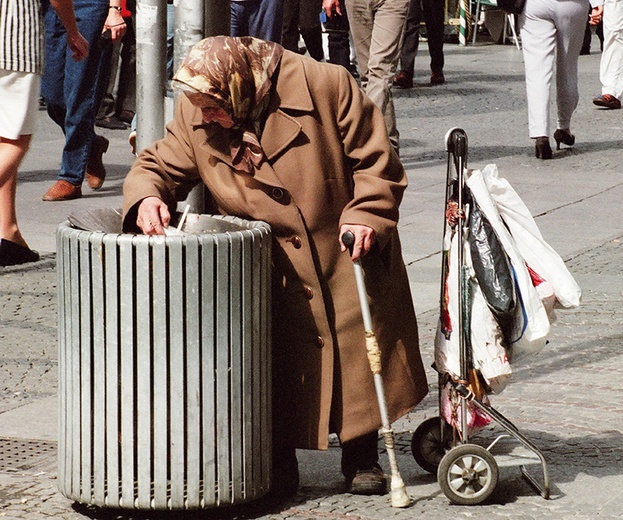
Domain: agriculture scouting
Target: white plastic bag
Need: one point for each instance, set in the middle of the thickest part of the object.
(488, 352)
(531, 324)
(537, 253)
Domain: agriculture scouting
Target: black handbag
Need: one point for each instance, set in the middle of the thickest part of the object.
(512, 6)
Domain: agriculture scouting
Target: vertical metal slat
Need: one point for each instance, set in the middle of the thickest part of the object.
(144, 319)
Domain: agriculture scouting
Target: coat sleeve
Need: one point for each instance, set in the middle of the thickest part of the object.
(379, 179)
(166, 169)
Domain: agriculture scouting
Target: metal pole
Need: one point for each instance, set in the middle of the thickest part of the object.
(189, 28)
(193, 20)
(151, 42)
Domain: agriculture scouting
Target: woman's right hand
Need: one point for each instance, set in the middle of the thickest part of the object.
(153, 216)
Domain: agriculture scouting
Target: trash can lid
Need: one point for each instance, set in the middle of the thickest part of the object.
(109, 220)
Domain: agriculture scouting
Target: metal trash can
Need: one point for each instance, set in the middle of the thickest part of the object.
(164, 366)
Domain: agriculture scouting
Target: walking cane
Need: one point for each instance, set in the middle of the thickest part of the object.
(399, 496)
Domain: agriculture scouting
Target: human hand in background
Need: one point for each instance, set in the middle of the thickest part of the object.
(78, 45)
(596, 14)
(115, 24)
(331, 5)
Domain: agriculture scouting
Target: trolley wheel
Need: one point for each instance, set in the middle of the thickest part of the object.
(427, 447)
(467, 474)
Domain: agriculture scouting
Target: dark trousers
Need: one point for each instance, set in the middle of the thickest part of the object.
(433, 13)
(259, 18)
(360, 453)
(303, 17)
(339, 38)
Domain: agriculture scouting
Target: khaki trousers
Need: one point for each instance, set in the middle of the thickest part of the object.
(377, 27)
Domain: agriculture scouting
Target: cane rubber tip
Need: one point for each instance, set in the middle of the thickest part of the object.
(400, 498)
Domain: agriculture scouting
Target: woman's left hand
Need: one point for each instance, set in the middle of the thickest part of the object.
(365, 237)
(116, 24)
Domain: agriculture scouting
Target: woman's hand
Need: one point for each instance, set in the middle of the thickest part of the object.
(365, 237)
(116, 24)
(153, 216)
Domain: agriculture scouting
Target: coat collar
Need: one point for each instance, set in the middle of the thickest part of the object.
(290, 93)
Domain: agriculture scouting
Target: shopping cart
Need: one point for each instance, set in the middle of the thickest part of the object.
(467, 472)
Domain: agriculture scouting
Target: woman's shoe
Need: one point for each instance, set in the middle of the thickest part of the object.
(15, 254)
(564, 136)
(542, 149)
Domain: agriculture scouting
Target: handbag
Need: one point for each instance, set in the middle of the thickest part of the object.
(512, 6)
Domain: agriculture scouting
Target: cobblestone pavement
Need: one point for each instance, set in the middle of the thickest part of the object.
(567, 399)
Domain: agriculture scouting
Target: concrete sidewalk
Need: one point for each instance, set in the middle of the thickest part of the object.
(567, 399)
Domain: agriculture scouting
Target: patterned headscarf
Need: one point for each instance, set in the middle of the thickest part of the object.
(234, 73)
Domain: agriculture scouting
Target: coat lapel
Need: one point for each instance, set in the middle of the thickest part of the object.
(291, 94)
(281, 129)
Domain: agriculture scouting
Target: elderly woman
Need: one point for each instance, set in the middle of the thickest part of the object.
(278, 137)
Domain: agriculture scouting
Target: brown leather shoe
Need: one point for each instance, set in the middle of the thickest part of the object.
(607, 101)
(368, 482)
(63, 190)
(437, 78)
(95, 171)
(403, 80)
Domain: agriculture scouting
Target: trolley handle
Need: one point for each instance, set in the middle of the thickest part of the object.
(456, 143)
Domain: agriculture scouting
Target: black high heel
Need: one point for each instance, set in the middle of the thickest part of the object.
(564, 136)
(542, 149)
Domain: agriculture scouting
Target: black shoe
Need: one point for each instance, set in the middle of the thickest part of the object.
(125, 116)
(368, 482)
(542, 149)
(564, 135)
(112, 123)
(14, 254)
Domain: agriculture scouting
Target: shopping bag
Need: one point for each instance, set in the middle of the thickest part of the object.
(489, 356)
(487, 342)
(450, 408)
(539, 255)
(491, 267)
(530, 327)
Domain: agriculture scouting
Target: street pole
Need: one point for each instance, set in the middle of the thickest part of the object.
(194, 19)
(151, 44)
(215, 21)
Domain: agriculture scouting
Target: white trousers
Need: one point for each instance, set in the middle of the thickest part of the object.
(611, 67)
(552, 31)
(377, 27)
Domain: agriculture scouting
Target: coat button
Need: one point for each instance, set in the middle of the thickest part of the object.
(277, 193)
(309, 293)
(319, 342)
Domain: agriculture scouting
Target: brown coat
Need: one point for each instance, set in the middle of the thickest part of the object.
(329, 162)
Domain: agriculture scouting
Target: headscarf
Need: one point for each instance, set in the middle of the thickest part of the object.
(234, 73)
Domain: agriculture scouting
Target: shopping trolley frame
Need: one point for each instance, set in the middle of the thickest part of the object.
(467, 473)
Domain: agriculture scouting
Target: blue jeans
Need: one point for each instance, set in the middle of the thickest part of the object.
(259, 18)
(73, 90)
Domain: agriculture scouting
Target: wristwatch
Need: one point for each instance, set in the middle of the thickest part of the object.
(117, 7)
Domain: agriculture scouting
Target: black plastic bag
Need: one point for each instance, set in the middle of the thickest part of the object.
(492, 267)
